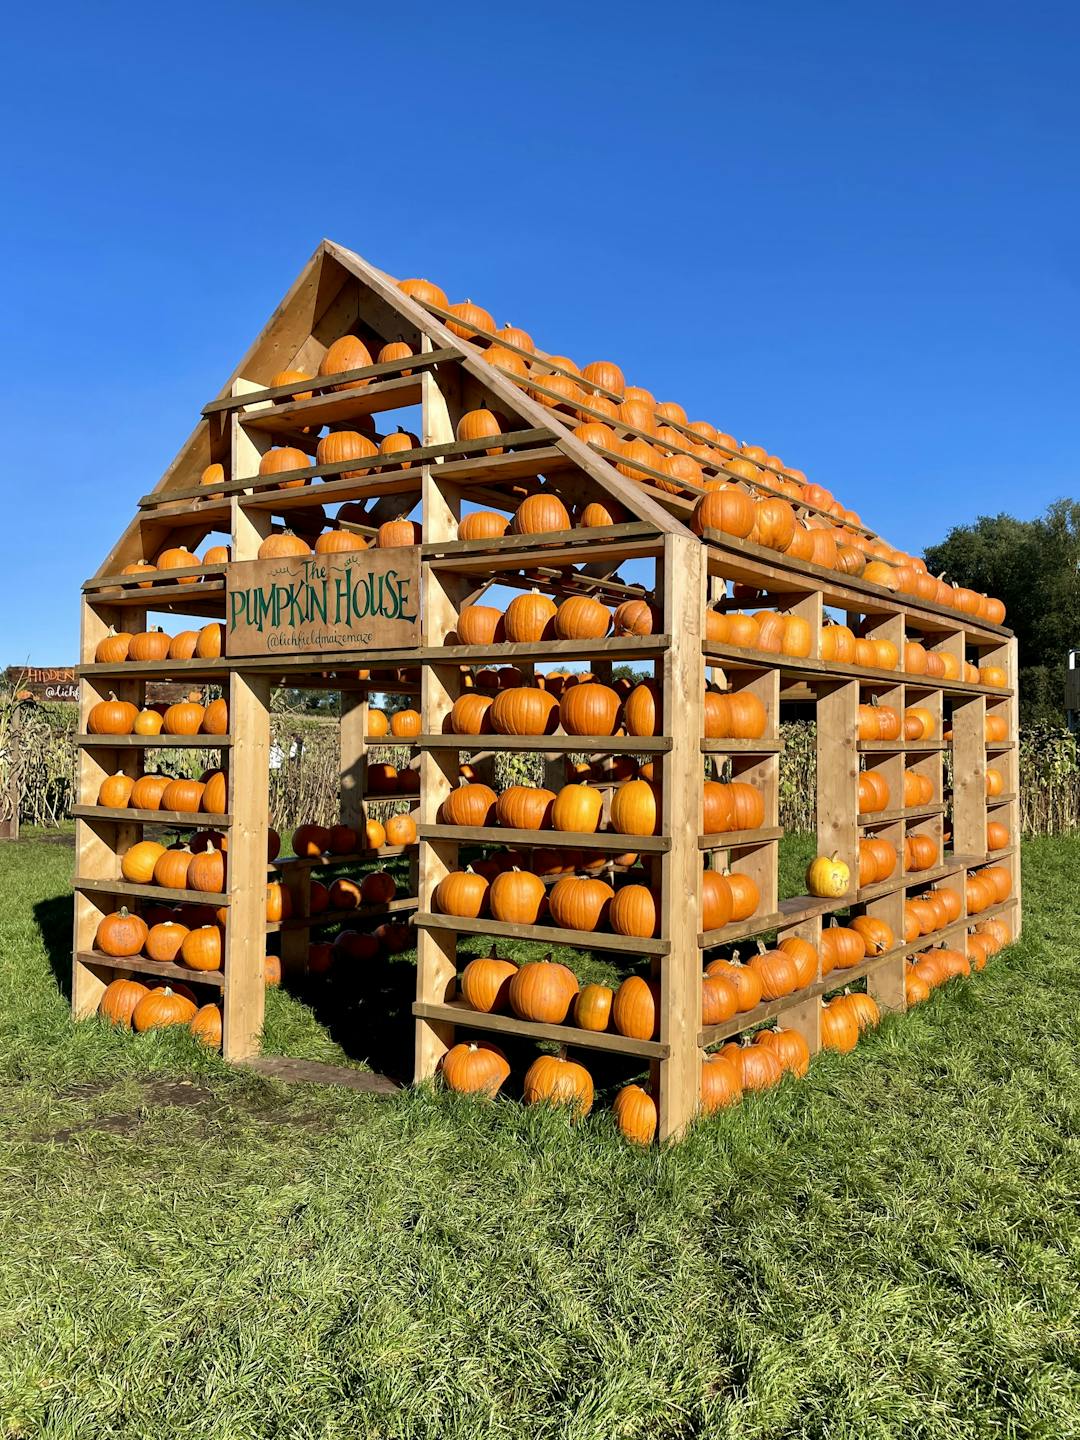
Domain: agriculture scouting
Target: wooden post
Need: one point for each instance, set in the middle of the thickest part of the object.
(245, 930)
(94, 855)
(441, 595)
(838, 772)
(684, 592)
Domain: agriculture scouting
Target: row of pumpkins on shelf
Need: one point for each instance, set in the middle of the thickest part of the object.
(919, 722)
(727, 806)
(499, 886)
(154, 644)
(942, 905)
(874, 794)
(773, 524)
(176, 794)
(311, 841)
(178, 557)
(585, 707)
(775, 632)
(878, 857)
(184, 718)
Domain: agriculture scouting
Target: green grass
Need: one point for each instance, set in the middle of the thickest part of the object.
(889, 1247)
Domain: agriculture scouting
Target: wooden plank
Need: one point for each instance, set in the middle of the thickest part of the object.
(871, 820)
(140, 965)
(838, 772)
(683, 581)
(737, 839)
(400, 906)
(742, 747)
(733, 656)
(251, 484)
(245, 945)
(288, 1071)
(545, 934)
(458, 1013)
(436, 949)
(613, 647)
(326, 862)
(545, 839)
(154, 742)
(156, 582)
(335, 409)
(101, 884)
(379, 370)
(586, 536)
(174, 819)
(591, 744)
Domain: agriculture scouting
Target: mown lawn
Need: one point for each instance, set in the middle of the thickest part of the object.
(889, 1247)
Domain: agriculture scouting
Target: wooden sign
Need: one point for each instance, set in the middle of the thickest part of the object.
(304, 604)
(43, 682)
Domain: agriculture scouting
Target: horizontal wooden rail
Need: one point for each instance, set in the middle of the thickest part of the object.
(544, 934)
(425, 360)
(740, 839)
(142, 965)
(154, 742)
(458, 1013)
(585, 744)
(162, 893)
(547, 839)
(173, 819)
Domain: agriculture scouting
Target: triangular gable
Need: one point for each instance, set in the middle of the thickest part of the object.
(289, 340)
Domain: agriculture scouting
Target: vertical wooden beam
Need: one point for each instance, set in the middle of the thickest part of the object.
(441, 596)
(838, 772)
(352, 758)
(95, 855)
(245, 931)
(969, 775)
(684, 592)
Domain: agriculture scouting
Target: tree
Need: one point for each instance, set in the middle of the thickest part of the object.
(1034, 566)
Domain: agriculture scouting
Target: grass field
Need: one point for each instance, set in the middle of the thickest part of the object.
(889, 1247)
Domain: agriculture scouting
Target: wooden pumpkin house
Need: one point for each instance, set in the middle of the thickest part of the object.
(381, 466)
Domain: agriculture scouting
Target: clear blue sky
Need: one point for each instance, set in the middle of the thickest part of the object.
(845, 230)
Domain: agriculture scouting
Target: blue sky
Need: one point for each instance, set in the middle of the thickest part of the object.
(844, 230)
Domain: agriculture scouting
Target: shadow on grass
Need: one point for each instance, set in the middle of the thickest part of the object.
(367, 1010)
(55, 922)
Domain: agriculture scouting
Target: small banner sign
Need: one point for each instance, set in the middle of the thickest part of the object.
(316, 604)
(43, 682)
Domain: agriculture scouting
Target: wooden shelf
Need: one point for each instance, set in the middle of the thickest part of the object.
(996, 801)
(458, 1013)
(585, 537)
(262, 491)
(543, 934)
(148, 584)
(337, 407)
(545, 839)
(740, 839)
(742, 747)
(154, 742)
(888, 817)
(771, 571)
(397, 906)
(573, 744)
(140, 965)
(174, 819)
(840, 978)
(215, 899)
(356, 857)
(732, 657)
(614, 647)
(897, 747)
(224, 404)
